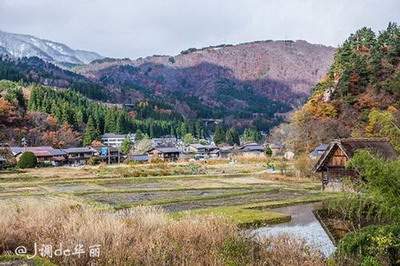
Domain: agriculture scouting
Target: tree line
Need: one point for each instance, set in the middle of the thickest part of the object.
(95, 118)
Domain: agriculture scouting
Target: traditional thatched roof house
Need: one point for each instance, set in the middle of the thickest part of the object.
(332, 163)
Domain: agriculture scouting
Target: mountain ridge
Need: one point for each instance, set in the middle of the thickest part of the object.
(25, 45)
(248, 84)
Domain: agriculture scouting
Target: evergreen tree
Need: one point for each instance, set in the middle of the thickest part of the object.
(219, 135)
(91, 132)
(126, 145)
(252, 135)
(232, 137)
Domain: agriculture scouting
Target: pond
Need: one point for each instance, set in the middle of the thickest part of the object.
(303, 225)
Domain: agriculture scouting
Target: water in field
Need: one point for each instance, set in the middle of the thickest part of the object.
(303, 225)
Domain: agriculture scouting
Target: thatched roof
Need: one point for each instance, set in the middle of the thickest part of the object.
(378, 146)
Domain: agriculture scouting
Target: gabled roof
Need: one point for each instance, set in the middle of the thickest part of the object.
(252, 147)
(38, 151)
(166, 149)
(380, 147)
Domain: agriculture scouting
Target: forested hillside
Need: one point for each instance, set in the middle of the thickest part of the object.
(247, 85)
(360, 95)
(46, 115)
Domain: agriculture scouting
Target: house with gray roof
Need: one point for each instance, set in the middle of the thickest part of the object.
(44, 154)
(169, 154)
(79, 155)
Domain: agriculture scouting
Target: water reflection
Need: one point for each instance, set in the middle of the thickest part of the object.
(302, 225)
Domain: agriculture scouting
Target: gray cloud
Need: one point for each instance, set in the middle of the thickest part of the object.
(131, 28)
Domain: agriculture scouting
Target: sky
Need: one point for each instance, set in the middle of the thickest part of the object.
(133, 28)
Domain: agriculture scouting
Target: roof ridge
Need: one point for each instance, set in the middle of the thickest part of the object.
(362, 139)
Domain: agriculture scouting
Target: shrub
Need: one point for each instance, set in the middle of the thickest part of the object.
(27, 160)
(93, 161)
(372, 245)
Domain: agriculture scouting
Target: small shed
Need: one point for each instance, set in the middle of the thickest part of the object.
(332, 163)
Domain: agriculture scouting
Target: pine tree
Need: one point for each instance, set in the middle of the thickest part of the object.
(91, 132)
(232, 137)
(219, 135)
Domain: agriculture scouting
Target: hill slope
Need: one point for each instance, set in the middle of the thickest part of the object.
(21, 45)
(359, 97)
(250, 84)
(227, 77)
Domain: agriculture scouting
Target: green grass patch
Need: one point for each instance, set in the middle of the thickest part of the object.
(316, 197)
(240, 216)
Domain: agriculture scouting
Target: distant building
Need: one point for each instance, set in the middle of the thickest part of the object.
(318, 151)
(44, 154)
(79, 155)
(169, 154)
(332, 163)
(167, 141)
(226, 152)
(252, 149)
(200, 151)
(3, 162)
(115, 140)
(141, 158)
(109, 154)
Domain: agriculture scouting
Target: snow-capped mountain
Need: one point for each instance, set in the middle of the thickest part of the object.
(21, 45)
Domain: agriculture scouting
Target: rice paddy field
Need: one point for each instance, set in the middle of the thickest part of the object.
(241, 191)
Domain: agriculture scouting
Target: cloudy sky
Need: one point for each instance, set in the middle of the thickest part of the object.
(133, 28)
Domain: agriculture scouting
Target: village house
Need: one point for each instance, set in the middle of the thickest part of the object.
(170, 154)
(166, 141)
(115, 140)
(109, 154)
(200, 151)
(225, 152)
(253, 149)
(140, 158)
(44, 154)
(332, 163)
(79, 155)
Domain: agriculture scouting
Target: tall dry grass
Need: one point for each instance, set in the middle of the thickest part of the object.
(142, 236)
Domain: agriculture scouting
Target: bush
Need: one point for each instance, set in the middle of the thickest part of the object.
(93, 161)
(27, 160)
(373, 245)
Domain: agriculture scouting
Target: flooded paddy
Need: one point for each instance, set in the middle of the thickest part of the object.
(303, 225)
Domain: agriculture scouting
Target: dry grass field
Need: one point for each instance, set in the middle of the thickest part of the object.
(190, 211)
